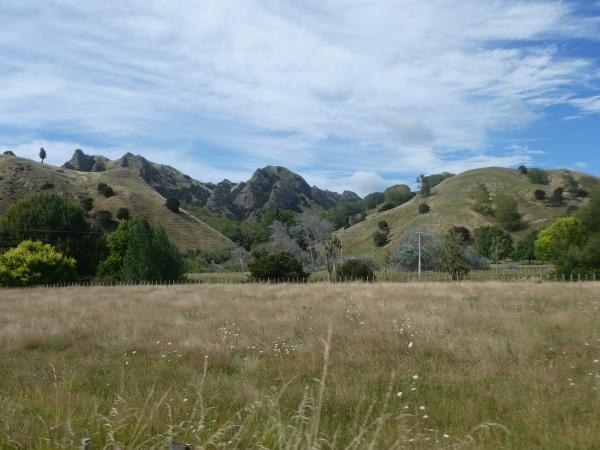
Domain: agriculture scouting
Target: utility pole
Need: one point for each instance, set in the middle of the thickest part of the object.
(419, 233)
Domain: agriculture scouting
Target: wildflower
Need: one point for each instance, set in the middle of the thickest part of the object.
(425, 416)
(410, 344)
(415, 377)
(446, 435)
(399, 394)
(185, 400)
(422, 408)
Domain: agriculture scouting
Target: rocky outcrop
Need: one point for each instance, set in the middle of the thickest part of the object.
(86, 163)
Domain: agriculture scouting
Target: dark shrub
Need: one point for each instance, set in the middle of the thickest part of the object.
(123, 214)
(383, 226)
(87, 203)
(557, 197)
(424, 208)
(105, 190)
(386, 206)
(355, 269)
(380, 239)
(539, 194)
(463, 232)
(537, 176)
(523, 170)
(173, 204)
(277, 266)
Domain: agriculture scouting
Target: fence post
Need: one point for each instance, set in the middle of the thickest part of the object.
(86, 444)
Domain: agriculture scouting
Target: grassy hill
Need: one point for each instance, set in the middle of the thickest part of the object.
(450, 205)
(19, 177)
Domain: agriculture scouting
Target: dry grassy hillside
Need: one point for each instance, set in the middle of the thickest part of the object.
(19, 177)
(461, 366)
(450, 205)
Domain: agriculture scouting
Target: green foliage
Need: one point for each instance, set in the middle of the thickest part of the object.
(34, 263)
(123, 214)
(373, 200)
(276, 266)
(424, 208)
(482, 201)
(554, 242)
(463, 232)
(507, 213)
(451, 256)
(557, 197)
(383, 226)
(589, 183)
(355, 269)
(398, 194)
(140, 252)
(406, 254)
(590, 215)
(105, 190)
(56, 220)
(386, 206)
(493, 242)
(228, 227)
(433, 180)
(537, 176)
(539, 194)
(172, 204)
(380, 239)
(340, 214)
(525, 248)
(87, 204)
(523, 170)
(42, 154)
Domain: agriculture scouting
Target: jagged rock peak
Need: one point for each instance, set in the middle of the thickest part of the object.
(86, 163)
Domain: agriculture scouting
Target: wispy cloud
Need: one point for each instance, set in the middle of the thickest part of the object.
(329, 86)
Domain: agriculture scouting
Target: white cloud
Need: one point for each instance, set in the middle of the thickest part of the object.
(333, 86)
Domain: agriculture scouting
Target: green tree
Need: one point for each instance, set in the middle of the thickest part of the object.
(537, 176)
(486, 237)
(139, 252)
(507, 212)
(451, 256)
(33, 263)
(123, 214)
(398, 194)
(482, 201)
(539, 194)
(380, 239)
(42, 154)
(525, 248)
(373, 200)
(557, 197)
(56, 220)
(424, 208)
(355, 269)
(553, 243)
(172, 204)
(275, 266)
(424, 185)
(590, 215)
(523, 170)
(331, 250)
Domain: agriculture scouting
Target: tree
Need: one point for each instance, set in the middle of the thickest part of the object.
(383, 226)
(537, 176)
(386, 207)
(33, 263)
(553, 243)
(105, 190)
(276, 266)
(557, 197)
(424, 186)
(539, 194)
(373, 200)
(406, 254)
(140, 252)
(123, 214)
(331, 249)
(424, 208)
(525, 248)
(482, 201)
(87, 203)
(398, 194)
(172, 204)
(310, 232)
(487, 239)
(590, 215)
(463, 232)
(380, 239)
(56, 220)
(42, 154)
(523, 170)
(340, 214)
(240, 258)
(355, 269)
(507, 213)
(434, 179)
(451, 256)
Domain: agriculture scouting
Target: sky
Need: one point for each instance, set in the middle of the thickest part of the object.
(351, 94)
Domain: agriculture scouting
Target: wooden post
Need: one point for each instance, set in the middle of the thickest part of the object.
(86, 444)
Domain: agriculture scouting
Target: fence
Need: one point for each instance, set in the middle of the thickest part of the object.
(539, 274)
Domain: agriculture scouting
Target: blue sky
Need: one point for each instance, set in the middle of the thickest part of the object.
(352, 94)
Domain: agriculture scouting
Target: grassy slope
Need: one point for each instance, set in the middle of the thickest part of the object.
(450, 205)
(131, 191)
(133, 367)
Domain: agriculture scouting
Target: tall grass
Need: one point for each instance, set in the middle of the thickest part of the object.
(302, 367)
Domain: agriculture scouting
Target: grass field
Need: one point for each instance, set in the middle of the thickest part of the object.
(468, 365)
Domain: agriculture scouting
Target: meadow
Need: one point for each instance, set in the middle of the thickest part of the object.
(357, 366)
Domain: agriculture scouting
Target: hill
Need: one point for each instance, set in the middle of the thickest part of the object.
(450, 205)
(269, 188)
(19, 177)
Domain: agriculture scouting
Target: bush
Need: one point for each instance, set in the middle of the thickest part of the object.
(172, 204)
(140, 252)
(482, 201)
(87, 204)
(105, 190)
(487, 240)
(424, 208)
(383, 226)
(523, 170)
(463, 232)
(276, 266)
(537, 176)
(557, 197)
(406, 254)
(380, 239)
(386, 206)
(507, 213)
(539, 194)
(355, 269)
(56, 220)
(373, 200)
(123, 214)
(398, 194)
(34, 263)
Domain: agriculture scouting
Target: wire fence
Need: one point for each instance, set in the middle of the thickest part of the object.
(537, 275)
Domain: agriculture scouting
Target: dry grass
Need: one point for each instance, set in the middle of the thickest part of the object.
(490, 366)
